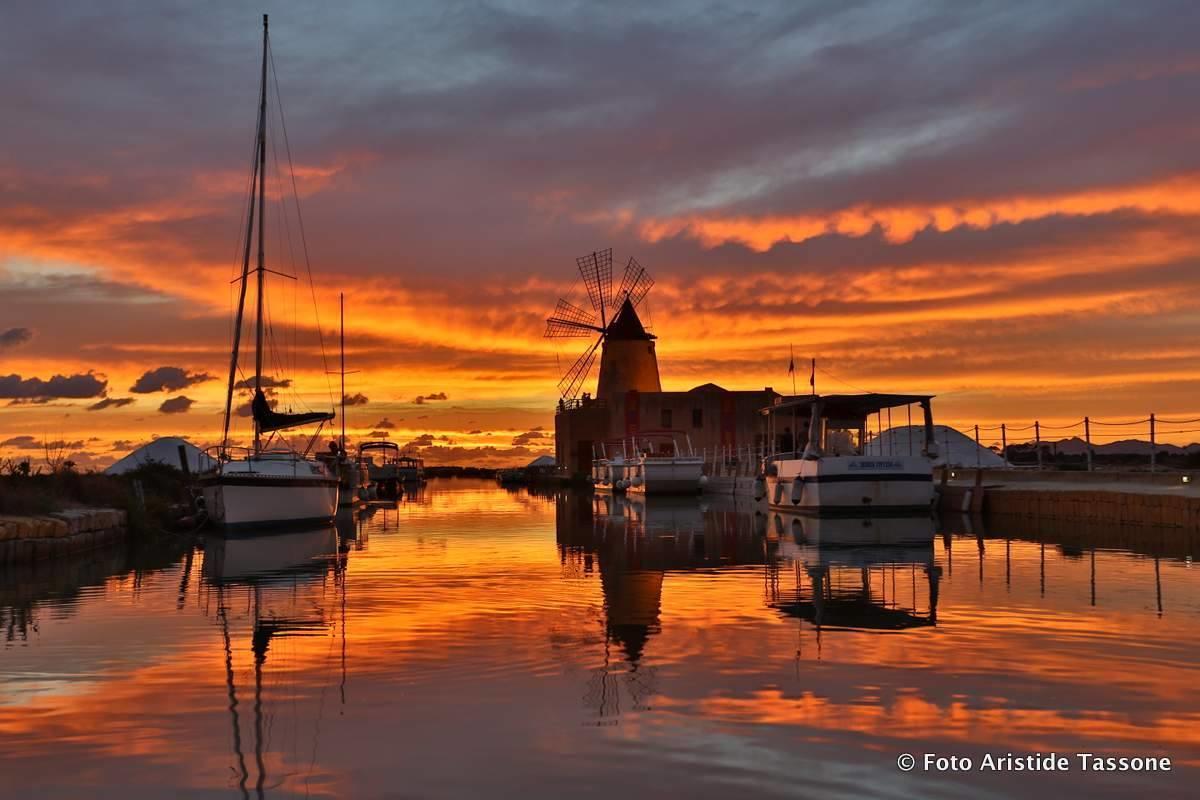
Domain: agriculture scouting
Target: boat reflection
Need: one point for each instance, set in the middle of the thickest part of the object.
(635, 544)
(856, 573)
(276, 585)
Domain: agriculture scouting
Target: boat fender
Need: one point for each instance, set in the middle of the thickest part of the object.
(797, 491)
(703, 480)
(201, 506)
(778, 492)
(760, 488)
(637, 481)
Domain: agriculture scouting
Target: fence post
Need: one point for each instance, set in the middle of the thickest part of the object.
(1087, 437)
(978, 455)
(1004, 443)
(1037, 438)
(1153, 447)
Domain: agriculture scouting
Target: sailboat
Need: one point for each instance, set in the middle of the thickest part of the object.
(263, 486)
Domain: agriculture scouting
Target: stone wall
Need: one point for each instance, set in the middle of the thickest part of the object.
(28, 539)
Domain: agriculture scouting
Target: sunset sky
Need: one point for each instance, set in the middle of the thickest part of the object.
(995, 202)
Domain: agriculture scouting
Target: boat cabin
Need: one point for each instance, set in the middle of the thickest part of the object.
(838, 424)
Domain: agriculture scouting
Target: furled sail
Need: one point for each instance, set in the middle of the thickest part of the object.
(269, 420)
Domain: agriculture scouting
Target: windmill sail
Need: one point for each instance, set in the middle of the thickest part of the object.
(635, 283)
(596, 269)
(570, 321)
(572, 382)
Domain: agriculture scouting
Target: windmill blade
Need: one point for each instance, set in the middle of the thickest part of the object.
(569, 321)
(635, 283)
(557, 328)
(572, 382)
(596, 269)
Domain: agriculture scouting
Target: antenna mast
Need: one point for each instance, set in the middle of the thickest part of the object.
(342, 340)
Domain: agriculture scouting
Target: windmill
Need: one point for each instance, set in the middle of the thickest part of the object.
(627, 359)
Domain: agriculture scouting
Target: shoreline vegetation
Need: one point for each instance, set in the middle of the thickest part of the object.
(152, 496)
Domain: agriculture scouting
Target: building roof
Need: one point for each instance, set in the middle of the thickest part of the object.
(849, 405)
(627, 324)
(708, 387)
(541, 461)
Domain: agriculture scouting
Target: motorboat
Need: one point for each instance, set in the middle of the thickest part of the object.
(829, 471)
(383, 463)
(661, 466)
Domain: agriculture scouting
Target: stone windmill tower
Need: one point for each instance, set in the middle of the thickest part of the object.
(627, 358)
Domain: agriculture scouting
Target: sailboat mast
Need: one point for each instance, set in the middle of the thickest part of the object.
(262, 168)
(342, 343)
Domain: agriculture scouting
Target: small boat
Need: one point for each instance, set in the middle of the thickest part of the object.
(609, 473)
(387, 469)
(828, 471)
(411, 469)
(271, 483)
(665, 469)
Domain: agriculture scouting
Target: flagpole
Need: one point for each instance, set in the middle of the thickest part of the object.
(812, 378)
(792, 368)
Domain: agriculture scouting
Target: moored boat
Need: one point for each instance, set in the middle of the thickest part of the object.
(829, 472)
(271, 483)
(667, 469)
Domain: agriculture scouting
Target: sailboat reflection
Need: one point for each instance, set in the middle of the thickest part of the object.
(636, 543)
(276, 583)
(861, 572)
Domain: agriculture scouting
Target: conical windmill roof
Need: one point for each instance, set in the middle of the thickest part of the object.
(627, 324)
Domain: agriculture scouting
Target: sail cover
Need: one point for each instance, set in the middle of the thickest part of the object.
(269, 420)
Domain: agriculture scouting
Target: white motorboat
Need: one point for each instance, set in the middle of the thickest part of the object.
(382, 461)
(609, 474)
(271, 483)
(829, 472)
(665, 469)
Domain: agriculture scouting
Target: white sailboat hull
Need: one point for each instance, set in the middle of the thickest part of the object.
(259, 494)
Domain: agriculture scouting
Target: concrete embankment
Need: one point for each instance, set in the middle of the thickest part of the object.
(1117, 498)
(28, 539)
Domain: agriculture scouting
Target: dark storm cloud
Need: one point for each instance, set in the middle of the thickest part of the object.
(427, 398)
(14, 387)
(267, 382)
(32, 443)
(176, 405)
(111, 402)
(167, 379)
(14, 336)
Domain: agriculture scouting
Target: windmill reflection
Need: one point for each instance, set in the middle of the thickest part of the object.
(278, 583)
(859, 574)
(635, 544)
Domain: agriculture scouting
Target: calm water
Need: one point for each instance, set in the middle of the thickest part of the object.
(475, 642)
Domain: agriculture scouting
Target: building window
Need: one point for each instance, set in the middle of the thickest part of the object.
(666, 419)
(697, 417)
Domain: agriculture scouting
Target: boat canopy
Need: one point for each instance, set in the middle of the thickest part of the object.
(849, 406)
(269, 420)
(379, 446)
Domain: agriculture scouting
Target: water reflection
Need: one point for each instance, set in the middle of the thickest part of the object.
(857, 571)
(550, 636)
(634, 543)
